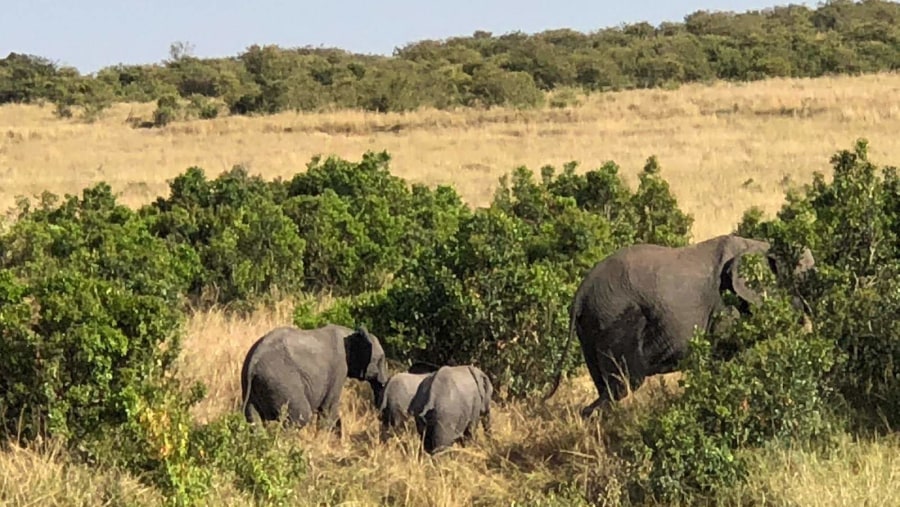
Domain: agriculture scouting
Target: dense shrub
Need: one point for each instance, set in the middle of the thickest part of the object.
(771, 388)
(91, 304)
(851, 224)
(497, 293)
(353, 216)
(248, 246)
(91, 307)
(168, 109)
(267, 464)
(761, 381)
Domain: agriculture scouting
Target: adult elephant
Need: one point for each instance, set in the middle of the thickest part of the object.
(304, 370)
(635, 311)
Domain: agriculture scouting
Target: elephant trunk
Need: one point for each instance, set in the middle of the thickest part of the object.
(377, 391)
(801, 305)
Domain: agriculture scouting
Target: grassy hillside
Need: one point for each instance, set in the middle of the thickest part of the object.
(722, 148)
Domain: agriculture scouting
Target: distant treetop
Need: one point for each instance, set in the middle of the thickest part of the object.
(482, 70)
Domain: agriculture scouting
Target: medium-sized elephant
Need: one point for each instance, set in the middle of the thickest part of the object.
(636, 310)
(448, 405)
(304, 370)
(395, 402)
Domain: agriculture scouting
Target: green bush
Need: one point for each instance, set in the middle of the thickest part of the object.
(493, 86)
(360, 221)
(851, 225)
(770, 387)
(264, 463)
(168, 109)
(341, 227)
(248, 247)
(339, 253)
(497, 292)
(166, 449)
(202, 107)
(760, 381)
(92, 306)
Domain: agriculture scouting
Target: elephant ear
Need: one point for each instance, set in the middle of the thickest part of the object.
(805, 262)
(731, 280)
(358, 348)
(488, 390)
(422, 367)
(485, 389)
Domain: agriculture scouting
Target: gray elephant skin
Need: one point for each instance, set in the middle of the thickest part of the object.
(449, 404)
(305, 370)
(635, 310)
(395, 402)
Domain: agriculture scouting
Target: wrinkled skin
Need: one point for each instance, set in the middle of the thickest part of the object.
(398, 394)
(635, 311)
(448, 405)
(305, 371)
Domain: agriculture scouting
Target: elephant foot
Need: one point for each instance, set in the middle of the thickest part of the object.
(587, 411)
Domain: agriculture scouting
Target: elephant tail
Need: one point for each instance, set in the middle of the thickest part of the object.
(245, 403)
(576, 309)
(247, 373)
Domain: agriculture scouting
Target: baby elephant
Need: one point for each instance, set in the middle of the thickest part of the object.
(448, 405)
(398, 393)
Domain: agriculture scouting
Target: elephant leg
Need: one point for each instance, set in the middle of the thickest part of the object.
(330, 419)
(299, 412)
(441, 437)
(600, 378)
(329, 412)
(618, 354)
(390, 419)
(251, 414)
(425, 430)
(271, 405)
(437, 435)
(469, 431)
(428, 439)
(612, 376)
(385, 425)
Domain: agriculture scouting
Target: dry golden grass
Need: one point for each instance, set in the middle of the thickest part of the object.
(856, 473)
(723, 148)
(41, 475)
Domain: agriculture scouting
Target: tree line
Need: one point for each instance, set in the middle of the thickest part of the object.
(481, 70)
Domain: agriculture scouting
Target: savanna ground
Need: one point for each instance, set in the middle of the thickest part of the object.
(722, 148)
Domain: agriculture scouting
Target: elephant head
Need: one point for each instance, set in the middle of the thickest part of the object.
(733, 248)
(485, 388)
(486, 391)
(422, 367)
(366, 360)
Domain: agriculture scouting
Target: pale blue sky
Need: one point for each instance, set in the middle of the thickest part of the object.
(90, 34)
